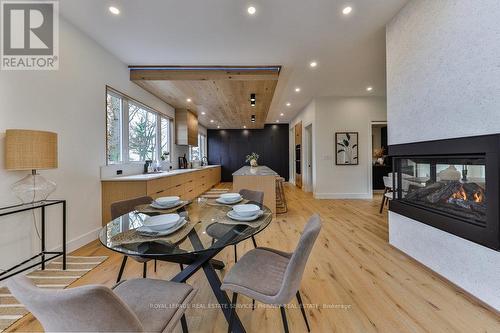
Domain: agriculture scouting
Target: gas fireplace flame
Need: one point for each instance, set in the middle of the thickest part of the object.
(478, 197)
(460, 194)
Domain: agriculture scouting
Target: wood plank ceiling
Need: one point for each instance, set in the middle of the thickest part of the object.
(221, 93)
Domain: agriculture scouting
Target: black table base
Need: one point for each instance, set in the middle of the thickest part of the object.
(44, 256)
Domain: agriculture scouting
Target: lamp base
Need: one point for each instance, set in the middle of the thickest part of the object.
(33, 188)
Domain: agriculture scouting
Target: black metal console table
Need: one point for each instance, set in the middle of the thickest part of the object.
(44, 255)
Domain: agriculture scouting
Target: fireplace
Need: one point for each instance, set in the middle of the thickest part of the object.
(450, 184)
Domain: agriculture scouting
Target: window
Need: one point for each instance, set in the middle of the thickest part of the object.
(197, 153)
(114, 108)
(135, 133)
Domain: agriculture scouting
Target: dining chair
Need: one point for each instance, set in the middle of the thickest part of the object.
(123, 207)
(272, 276)
(139, 305)
(218, 230)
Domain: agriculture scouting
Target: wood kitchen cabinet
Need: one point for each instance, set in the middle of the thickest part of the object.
(187, 185)
(186, 127)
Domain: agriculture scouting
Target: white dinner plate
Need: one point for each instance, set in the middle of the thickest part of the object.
(233, 216)
(224, 202)
(161, 222)
(145, 231)
(158, 206)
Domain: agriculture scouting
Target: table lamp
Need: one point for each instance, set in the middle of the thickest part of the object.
(31, 150)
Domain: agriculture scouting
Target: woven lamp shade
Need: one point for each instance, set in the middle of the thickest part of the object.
(30, 150)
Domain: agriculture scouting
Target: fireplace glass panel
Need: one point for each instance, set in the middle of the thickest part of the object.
(454, 186)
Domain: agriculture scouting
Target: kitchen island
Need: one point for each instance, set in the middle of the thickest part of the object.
(260, 178)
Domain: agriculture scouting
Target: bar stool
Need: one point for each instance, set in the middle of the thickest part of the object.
(281, 207)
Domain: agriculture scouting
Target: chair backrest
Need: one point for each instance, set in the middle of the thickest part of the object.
(298, 260)
(90, 308)
(123, 207)
(255, 196)
(387, 181)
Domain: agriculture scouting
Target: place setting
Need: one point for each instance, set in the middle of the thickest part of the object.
(229, 199)
(162, 205)
(170, 228)
(246, 214)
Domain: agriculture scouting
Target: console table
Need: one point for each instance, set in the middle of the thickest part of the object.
(44, 255)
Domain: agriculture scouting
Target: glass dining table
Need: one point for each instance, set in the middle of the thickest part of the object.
(192, 245)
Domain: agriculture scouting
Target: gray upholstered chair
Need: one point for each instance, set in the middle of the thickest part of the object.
(218, 230)
(140, 305)
(271, 276)
(123, 207)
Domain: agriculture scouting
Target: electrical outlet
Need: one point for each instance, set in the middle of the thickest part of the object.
(119, 172)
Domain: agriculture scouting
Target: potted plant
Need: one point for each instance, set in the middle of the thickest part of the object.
(164, 160)
(252, 158)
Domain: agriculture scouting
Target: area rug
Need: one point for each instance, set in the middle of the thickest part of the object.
(53, 277)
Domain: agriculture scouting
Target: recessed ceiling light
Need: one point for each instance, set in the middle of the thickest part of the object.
(218, 126)
(114, 10)
(277, 120)
(297, 89)
(211, 120)
(347, 10)
(203, 112)
(370, 88)
(244, 127)
(251, 10)
(188, 100)
(288, 104)
(282, 114)
(313, 64)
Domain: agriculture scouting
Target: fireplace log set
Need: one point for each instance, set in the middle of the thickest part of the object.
(455, 197)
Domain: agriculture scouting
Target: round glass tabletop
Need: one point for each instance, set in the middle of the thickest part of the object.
(207, 227)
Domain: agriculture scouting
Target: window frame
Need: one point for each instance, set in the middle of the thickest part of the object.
(124, 130)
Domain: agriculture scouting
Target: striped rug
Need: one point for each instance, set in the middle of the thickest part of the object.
(215, 193)
(52, 277)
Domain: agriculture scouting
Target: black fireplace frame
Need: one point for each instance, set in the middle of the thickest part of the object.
(485, 146)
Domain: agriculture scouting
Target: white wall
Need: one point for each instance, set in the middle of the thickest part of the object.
(339, 114)
(345, 114)
(71, 102)
(443, 81)
(443, 70)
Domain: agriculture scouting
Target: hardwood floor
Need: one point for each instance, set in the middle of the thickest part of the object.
(358, 281)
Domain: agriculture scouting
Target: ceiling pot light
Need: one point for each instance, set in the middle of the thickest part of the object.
(244, 127)
(252, 118)
(369, 88)
(188, 100)
(282, 114)
(114, 10)
(277, 120)
(297, 89)
(313, 64)
(251, 10)
(288, 104)
(203, 112)
(347, 10)
(211, 120)
(218, 126)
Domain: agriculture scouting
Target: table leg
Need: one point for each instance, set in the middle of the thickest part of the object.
(64, 235)
(43, 237)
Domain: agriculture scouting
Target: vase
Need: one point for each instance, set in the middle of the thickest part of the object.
(253, 163)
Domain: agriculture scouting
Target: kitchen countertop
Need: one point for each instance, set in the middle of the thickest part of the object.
(261, 170)
(151, 176)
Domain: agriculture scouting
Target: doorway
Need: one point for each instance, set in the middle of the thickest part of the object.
(308, 163)
(381, 163)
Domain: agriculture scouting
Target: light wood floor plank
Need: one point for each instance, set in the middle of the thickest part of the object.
(367, 285)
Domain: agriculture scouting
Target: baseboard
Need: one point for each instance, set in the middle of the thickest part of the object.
(343, 195)
(80, 241)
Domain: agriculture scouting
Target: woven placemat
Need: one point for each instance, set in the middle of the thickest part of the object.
(221, 217)
(147, 209)
(215, 203)
(133, 236)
